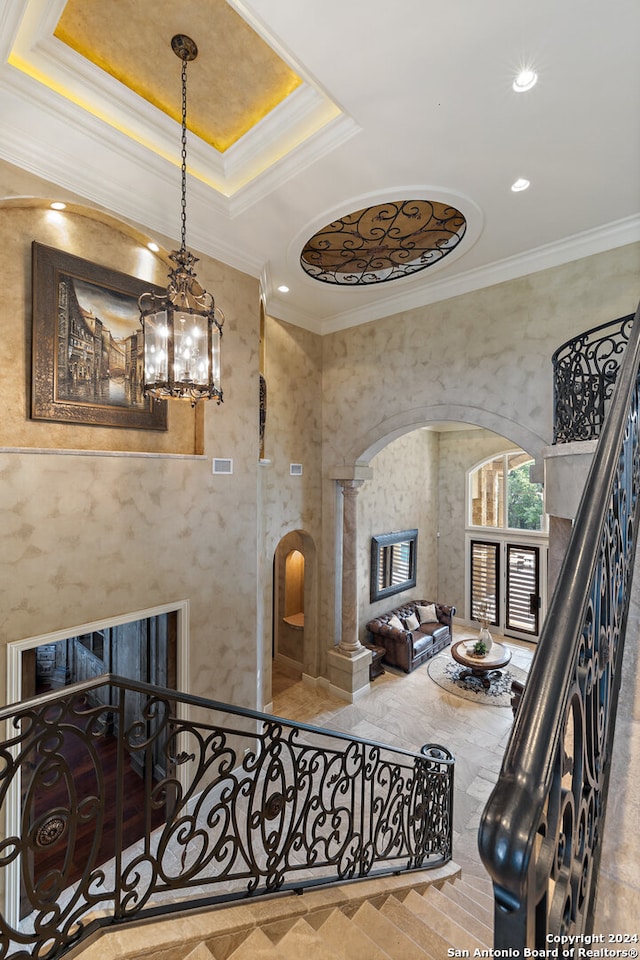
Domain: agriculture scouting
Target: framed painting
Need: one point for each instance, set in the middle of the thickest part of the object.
(87, 360)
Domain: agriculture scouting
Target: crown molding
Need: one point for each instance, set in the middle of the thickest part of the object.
(585, 244)
(283, 125)
(110, 180)
(277, 308)
(11, 14)
(336, 132)
(280, 308)
(52, 65)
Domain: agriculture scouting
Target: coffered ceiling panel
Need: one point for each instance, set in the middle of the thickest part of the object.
(237, 79)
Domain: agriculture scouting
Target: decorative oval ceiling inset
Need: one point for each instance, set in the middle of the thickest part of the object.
(383, 242)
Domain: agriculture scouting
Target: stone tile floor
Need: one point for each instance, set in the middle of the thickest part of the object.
(409, 710)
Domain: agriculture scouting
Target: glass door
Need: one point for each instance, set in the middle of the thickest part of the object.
(505, 586)
(523, 589)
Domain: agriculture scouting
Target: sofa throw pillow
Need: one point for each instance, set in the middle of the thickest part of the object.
(411, 622)
(395, 622)
(427, 614)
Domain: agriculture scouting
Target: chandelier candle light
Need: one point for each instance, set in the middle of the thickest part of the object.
(182, 329)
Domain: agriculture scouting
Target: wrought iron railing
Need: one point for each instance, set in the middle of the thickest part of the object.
(584, 375)
(228, 804)
(540, 833)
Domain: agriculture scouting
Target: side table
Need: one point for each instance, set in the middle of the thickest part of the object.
(377, 653)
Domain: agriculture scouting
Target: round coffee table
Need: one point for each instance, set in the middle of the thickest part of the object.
(485, 668)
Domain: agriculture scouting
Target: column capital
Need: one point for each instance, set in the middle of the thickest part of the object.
(357, 472)
(350, 487)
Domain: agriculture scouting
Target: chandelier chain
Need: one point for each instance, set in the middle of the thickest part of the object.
(184, 158)
(181, 329)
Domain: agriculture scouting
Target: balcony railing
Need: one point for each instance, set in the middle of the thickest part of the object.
(541, 831)
(228, 804)
(584, 375)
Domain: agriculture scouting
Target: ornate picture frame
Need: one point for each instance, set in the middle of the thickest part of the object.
(87, 363)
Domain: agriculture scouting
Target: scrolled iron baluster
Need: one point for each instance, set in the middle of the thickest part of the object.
(585, 372)
(251, 809)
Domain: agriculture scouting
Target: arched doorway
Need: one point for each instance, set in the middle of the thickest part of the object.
(419, 476)
(295, 605)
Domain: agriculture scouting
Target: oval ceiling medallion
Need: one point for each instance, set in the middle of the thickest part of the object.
(384, 242)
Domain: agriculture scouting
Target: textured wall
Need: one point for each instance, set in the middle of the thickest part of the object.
(459, 452)
(483, 358)
(402, 494)
(486, 353)
(293, 371)
(86, 537)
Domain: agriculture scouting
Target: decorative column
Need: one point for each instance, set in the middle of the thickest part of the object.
(350, 644)
(349, 661)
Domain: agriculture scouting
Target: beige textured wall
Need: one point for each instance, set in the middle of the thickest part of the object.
(483, 358)
(293, 371)
(88, 536)
(485, 355)
(459, 452)
(402, 494)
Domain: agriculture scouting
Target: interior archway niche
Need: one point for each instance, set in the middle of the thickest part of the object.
(295, 604)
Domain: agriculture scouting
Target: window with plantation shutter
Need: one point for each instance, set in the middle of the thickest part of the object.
(485, 581)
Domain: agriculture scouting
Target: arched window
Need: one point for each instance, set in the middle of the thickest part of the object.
(502, 495)
(506, 545)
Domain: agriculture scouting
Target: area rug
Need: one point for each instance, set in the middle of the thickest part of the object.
(444, 670)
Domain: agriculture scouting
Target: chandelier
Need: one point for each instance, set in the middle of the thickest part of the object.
(182, 329)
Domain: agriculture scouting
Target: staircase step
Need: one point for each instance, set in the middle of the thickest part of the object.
(478, 928)
(258, 930)
(481, 884)
(468, 902)
(348, 940)
(396, 944)
(257, 946)
(419, 931)
(201, 952)
(457, 934)
(303, 941)
(485, 899)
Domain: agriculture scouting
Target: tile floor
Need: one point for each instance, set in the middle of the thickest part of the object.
(409, 710)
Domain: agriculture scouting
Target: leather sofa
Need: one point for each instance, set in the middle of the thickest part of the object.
(418, 636)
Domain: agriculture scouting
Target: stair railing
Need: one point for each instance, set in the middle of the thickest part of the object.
(231, 803)
(584, 375)
(540, 833)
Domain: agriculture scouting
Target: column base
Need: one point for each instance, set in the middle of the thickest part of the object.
(349, 675)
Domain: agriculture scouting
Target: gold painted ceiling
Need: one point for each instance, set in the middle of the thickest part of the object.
(236, 80)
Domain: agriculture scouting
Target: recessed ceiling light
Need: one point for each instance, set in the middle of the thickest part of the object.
(153, 246)
(58, 205)
(520, 184)
(526, 79)
(283, 288)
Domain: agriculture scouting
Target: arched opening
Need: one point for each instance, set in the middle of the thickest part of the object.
(294, 588)
(295, 653)
(420, 468)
